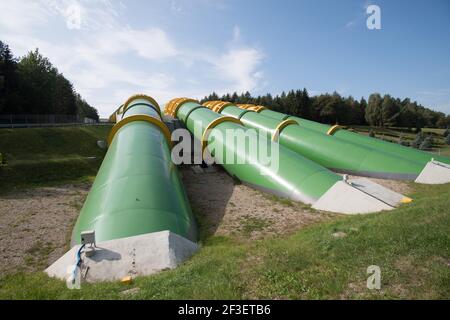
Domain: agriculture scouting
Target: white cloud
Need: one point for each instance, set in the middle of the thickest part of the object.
(151, 43)
(240, 67)
(108, 60)
(21, 16)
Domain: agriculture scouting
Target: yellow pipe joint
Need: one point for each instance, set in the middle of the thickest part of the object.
(174, 104)
(333, 129)
(140, 96)
(211, 126)
(140, 117)
(280, 127)
(217, 106)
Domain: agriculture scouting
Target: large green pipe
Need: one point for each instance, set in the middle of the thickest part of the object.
(137, 189)
(297, 178)
(336, 154)
(378, 144)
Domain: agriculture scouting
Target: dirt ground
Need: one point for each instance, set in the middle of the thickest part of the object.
(225, 207)
(36, 224)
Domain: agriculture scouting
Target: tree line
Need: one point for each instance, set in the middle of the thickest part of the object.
(379, 111)
(32, 85)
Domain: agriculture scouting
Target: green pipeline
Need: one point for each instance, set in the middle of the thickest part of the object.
(137, 189)
(336, 154)
(295, 177)
(377, 144)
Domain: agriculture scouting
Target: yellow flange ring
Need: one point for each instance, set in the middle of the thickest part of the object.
(258, 109)
(214, 123)
(210, 104)
(252, 108)
(220, 106)
(117, 110)
(174, 104)
(246, 106)
(333, 129)
(217, 105)
(113, 118)
(140, 117)
(114, 114)
(169, 106)
(141, 96)
(280, 127)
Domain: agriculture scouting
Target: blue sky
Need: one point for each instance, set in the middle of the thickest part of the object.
(112, 49)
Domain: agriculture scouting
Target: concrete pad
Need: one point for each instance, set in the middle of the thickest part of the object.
(134, 256)
(434, 172)
(380, 192)
(344, 198)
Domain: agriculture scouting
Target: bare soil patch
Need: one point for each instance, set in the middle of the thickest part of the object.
(225, 207)
(36, 224)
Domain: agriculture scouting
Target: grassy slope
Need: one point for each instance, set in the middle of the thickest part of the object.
(394, 134)
(410, 244)
(43, 156)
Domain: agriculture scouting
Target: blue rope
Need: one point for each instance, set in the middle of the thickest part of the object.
(78, 262)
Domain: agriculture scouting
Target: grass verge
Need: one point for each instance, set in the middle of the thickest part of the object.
(411, 245)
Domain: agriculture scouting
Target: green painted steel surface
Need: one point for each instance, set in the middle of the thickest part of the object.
(336, 154)
(295, 177)
(398, 150)
(137, 189)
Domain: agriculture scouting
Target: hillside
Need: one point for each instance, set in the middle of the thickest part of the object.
(46, 156)
(323, 258)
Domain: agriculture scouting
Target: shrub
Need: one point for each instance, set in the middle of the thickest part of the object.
(420, 137)
(427, 143)
(446, 133)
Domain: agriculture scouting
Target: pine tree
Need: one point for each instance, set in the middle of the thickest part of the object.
(373, 110)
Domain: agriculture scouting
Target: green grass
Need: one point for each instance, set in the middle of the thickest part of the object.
(410, 244)
(250, 224)
(48, 156)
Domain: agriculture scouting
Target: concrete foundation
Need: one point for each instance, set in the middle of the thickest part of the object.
(348, 199)
(435, 172)
(127, 257)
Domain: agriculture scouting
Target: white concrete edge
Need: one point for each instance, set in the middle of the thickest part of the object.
(133, 256)
(434, 172)
(344, 198)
